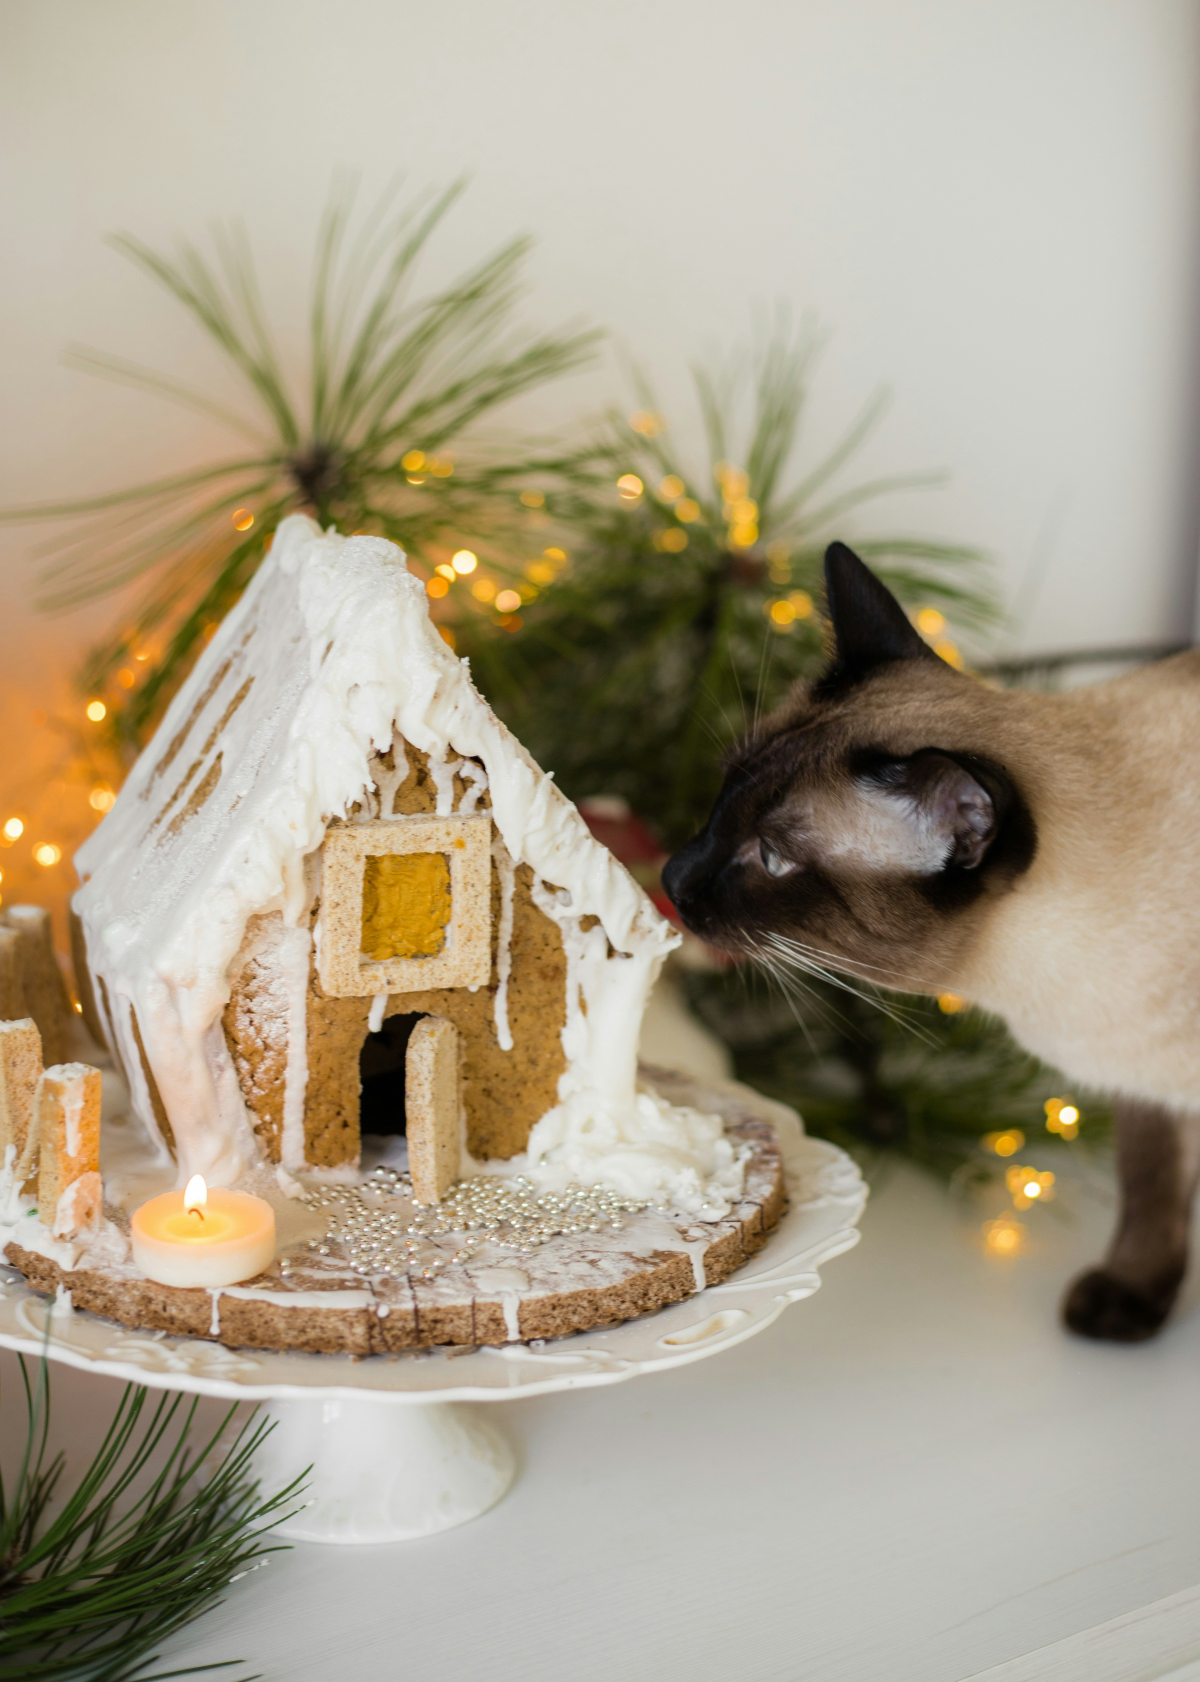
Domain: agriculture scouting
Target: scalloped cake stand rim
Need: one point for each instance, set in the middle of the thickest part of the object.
(826, 1198)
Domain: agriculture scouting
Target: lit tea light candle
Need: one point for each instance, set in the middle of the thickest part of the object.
(201, 1237)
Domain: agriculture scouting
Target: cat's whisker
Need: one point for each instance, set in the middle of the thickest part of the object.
(730, 732)
(796, 959)
(907, 983)
(764, 672)
(791, 989)
(737, 683)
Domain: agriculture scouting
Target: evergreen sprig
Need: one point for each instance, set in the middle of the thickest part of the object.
(673, 600)
(92, 1581)
(385, 435)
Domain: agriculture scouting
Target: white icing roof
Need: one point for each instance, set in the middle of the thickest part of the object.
(328, 650)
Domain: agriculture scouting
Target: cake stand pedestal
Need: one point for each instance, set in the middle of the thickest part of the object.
(381, 1473)
(396, 1446)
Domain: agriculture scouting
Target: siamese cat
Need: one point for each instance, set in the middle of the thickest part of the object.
(907, 825)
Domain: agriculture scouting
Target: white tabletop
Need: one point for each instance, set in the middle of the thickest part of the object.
(913, 1475)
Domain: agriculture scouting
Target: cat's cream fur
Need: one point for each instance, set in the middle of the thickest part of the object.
(1039, 854)
(1093, 955)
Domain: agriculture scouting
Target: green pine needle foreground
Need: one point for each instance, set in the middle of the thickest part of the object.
(93, 1580)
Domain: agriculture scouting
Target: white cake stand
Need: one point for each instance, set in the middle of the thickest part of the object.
(395, 1447)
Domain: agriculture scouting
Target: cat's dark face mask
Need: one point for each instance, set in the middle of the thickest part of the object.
(838, 835)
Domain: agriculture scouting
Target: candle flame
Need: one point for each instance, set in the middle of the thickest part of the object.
(196, 1196)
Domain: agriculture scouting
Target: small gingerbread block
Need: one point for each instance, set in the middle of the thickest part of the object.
(45, 992)
(432, 1109)
(20, 1071)
(12, 990)
(67, 1110)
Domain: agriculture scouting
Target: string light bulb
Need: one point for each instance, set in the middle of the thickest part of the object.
(930, 622)
(687, 510)
(464, 562)
(243, 519)
(1005, 1143)
(629, 487)
(437, 587)
(1062, 1117)
(102, 798)
(1004, 1237)
(46, 854)
(951, 1003)
(671, 488)
(533, 499)
(413, 461)
(96, 710)
(1026, 1186)
(14, 829)
(949, 652)
(508, 601)
(646, 424)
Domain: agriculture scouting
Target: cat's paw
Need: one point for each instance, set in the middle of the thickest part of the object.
(1100, 1305)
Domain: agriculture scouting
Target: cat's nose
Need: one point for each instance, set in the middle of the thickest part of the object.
(683, 874)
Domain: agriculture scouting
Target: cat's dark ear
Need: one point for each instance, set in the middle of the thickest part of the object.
(956, 806)
(869, 625)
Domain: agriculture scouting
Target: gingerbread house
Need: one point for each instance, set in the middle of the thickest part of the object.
(337, 895)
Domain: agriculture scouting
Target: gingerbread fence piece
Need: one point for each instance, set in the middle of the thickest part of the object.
(67, 1109)
(20, 1070)
(45, 994)
(432, 1108)
(12, 991)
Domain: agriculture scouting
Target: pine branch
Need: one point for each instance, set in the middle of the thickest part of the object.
(685, 604)
(145, 1541)
(394, 384)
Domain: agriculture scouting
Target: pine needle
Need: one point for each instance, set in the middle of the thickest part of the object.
(394, 379)
(655, 629)
(155, 1527)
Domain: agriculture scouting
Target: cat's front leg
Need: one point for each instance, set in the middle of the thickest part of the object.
(1130, 1295)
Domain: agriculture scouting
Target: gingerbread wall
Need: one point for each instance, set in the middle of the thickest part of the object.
(504, 1092)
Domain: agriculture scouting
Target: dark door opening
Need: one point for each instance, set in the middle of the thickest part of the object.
(381, 1076)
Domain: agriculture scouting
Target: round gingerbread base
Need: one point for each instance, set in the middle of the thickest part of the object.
(575, 1282)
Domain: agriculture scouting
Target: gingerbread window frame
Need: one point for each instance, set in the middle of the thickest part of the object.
(466, 958)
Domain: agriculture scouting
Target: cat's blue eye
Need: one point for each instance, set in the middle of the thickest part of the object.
(775, 865)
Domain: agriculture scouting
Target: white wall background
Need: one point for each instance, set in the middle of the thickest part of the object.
(991, 202)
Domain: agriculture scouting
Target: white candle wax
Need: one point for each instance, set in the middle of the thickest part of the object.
(203, 1238)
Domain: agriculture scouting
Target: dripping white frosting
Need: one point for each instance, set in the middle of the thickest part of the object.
(327, 661)
(507, 878)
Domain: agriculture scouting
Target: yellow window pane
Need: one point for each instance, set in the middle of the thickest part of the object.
(406, 905)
